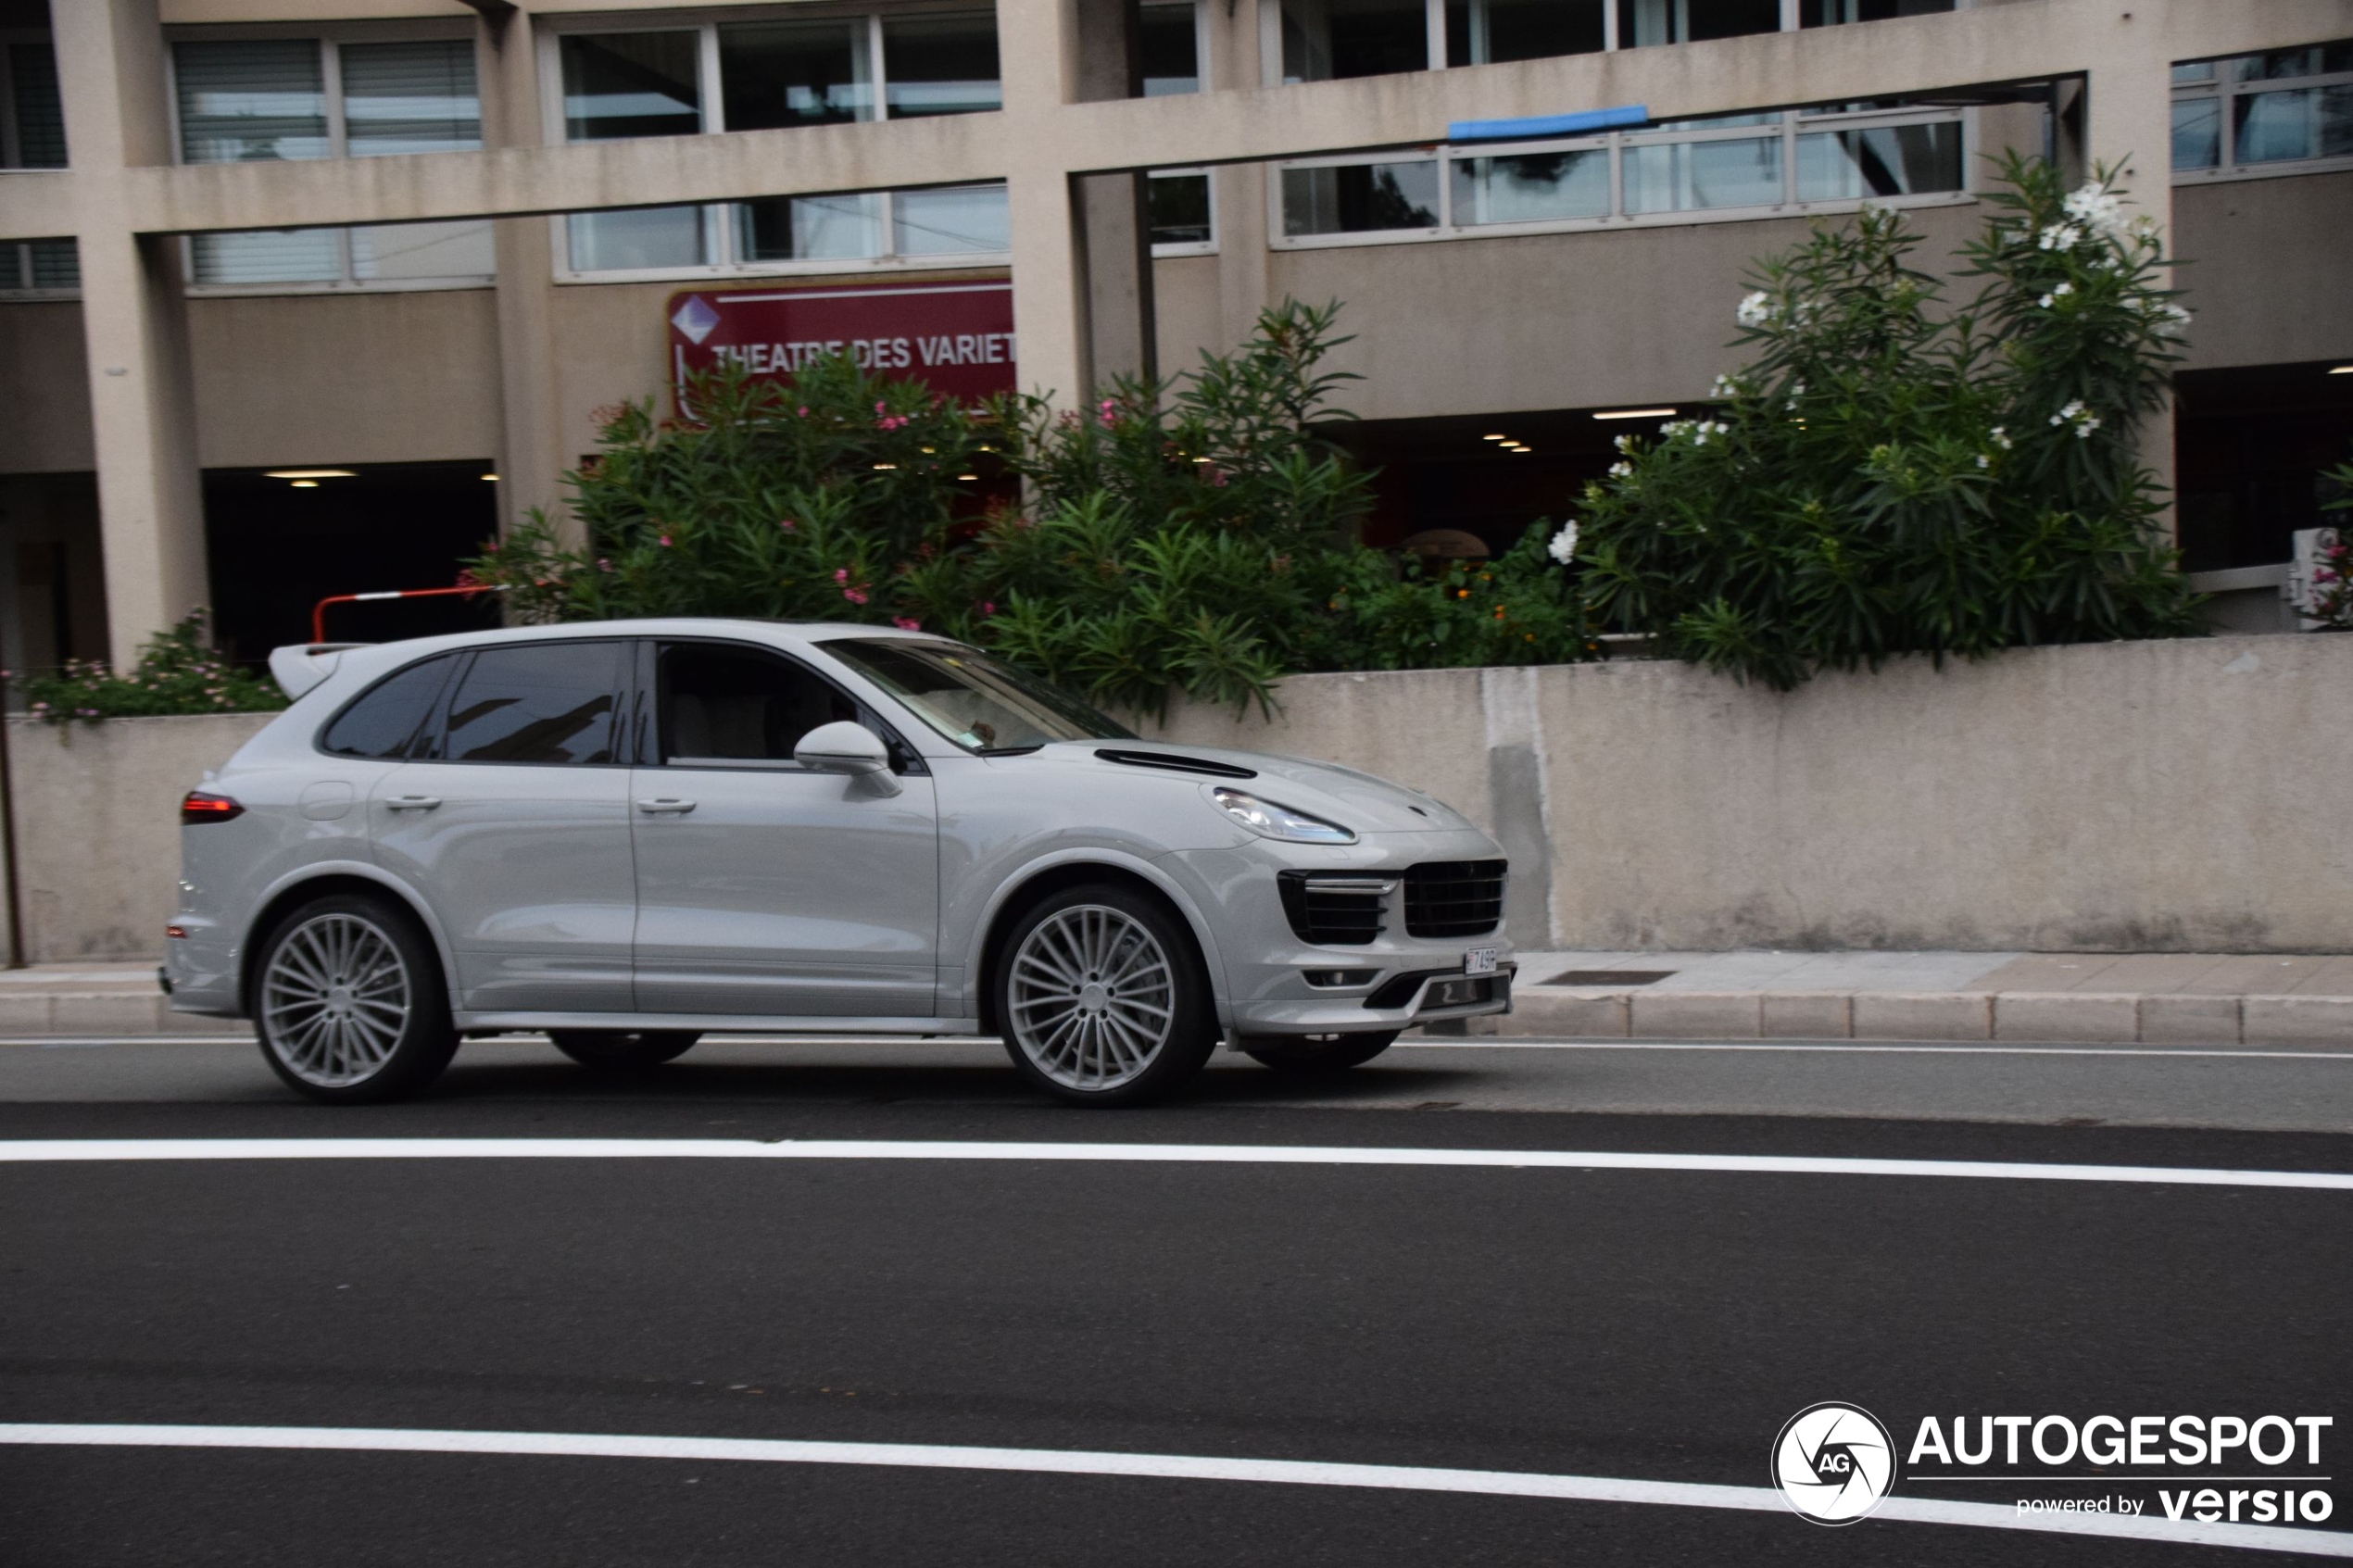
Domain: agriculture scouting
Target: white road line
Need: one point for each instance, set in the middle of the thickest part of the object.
(1179, 1467)
(1477, 1043)
(1870, 1047)
(68, 1150)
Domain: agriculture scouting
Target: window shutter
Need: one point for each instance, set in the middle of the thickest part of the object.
(250, 101)
(411, 97)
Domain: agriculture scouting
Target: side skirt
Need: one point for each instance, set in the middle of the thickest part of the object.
(708, 1023)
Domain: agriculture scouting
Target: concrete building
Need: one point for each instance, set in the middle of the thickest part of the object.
(285, 282)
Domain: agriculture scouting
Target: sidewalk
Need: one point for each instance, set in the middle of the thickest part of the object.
(2158, 998)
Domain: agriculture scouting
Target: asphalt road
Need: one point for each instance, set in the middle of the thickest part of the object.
(1651, 1325)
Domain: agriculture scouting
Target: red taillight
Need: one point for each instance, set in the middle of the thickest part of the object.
(200, 807)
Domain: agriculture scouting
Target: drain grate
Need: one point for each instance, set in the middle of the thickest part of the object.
(1609, 977)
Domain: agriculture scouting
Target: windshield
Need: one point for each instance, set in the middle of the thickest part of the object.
(982, 704)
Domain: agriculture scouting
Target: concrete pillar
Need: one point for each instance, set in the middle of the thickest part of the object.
(110, 65)
(1038, 44)
(532, 456)
(1238, 191)
(2129, 127)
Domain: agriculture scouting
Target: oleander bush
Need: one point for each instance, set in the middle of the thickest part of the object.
(1891, 473)
(179, 671)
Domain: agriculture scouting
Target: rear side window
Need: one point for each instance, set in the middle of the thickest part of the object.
(536, 702)
(385, 718)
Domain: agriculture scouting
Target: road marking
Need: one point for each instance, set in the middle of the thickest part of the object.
(1478, 1042)
(68, 1150)
(1178, 1467)
(1858, 1048)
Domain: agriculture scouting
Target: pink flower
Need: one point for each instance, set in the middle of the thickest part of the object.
(988, 607)
(786, 524)
(663, 541)
(882, 407)
(906, 625)
(804, 410)
(855, 595)
(841, 574)
(603, 565)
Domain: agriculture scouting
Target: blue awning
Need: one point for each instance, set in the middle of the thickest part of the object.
(1541, 125)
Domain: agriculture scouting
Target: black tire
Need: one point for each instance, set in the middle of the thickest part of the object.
(624, 1050)
(350, 1003)
(1145, 948)
(1314, 1055)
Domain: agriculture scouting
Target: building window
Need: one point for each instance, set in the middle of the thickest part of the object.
(780, 75)
(1171, 48)
(1645, 22)
(2285, 111)
(259, 100)
(1746, 165)
(1179, 203)
(1483, 32)
(32, 135)
(1325, 39)
(1831, 13)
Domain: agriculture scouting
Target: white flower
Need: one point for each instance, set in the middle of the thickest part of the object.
(2060, 236)
(1620, 470)
(2000, 437)
(2085, 426)
(1564, 545)
(2082, 418)
(1983, 461)
(1626, 443)
(1725, 386)
(2094, 209)
(1756, 309)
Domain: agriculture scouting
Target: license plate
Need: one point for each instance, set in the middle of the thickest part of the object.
(1480, 960)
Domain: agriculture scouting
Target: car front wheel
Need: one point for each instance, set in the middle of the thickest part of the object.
(1102, 998)
(349, 1004)
(1309, 1055)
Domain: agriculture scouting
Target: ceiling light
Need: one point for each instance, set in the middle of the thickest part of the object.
(886, 465)
(1522, 451)
(1635, 414)
(2343, 371)
(304, 484)
(309, 473)
(1494, 438)
(968, 476)
(490, 479)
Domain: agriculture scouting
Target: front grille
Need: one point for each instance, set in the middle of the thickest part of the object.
(1334, 910)
(1454, 898)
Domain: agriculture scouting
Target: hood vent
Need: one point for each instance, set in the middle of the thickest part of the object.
(1173, 763)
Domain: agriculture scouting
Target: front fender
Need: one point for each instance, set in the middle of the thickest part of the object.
(971, 945)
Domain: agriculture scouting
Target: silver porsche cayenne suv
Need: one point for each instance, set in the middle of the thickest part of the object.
(631, 835)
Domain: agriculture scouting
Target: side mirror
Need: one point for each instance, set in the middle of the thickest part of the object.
(845, 747)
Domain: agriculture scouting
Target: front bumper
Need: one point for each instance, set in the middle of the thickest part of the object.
(1394, 982)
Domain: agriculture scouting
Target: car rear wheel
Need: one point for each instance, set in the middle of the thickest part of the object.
(1102, 998)
(1308, 1055)
(349, 1004)
(624, 1050)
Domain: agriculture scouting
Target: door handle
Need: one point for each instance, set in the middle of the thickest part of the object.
(412, 803)
(665, 808)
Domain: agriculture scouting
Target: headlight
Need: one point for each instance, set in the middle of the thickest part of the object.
(1265, 818)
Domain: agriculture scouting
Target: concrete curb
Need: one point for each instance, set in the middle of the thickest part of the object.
(2074, 1016)
(1563, 1013)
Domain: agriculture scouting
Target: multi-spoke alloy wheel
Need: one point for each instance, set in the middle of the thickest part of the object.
(1100, 996)
(347, 1004)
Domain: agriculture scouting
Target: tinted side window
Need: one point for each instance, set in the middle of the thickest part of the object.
(738, 704)
(537, 702)
(383, 723)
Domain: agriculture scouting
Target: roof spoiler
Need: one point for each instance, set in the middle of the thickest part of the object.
(298, 667)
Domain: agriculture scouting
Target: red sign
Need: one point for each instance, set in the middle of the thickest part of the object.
(956, 335)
